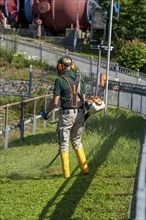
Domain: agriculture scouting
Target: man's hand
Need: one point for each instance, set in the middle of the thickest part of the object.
(44, 114)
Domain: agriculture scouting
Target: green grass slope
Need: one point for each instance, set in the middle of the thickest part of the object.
(30, 191)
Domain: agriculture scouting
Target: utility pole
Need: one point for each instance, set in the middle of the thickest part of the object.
(98, 67)
(108, 54)
(98, 70)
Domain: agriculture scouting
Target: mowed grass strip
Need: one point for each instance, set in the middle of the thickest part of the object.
(31, 191)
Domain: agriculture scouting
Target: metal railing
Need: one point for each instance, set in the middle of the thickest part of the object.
(28, 110)
(18, 114)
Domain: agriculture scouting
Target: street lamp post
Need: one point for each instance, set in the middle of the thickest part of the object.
(108, 54)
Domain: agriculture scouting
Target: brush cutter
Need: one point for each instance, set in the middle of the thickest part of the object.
(93, 105)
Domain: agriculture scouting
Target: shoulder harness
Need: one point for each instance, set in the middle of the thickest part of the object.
(73, 90)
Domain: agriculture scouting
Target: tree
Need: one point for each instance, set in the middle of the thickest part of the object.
(132, 19)
(132, 54)
(130, 26)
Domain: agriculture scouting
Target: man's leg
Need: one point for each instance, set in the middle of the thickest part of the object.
(65, 125)
(82, 160)
(65, 164)
(76, 136)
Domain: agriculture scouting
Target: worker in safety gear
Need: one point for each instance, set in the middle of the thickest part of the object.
(69, 88)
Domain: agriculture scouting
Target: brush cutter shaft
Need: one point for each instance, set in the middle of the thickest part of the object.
(54, 158)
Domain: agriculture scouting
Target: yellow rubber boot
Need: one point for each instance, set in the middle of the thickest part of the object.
(65, 164)
(82, 160)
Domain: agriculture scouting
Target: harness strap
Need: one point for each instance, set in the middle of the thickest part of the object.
(73, 88)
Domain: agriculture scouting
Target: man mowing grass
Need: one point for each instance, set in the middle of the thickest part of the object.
(69, 87)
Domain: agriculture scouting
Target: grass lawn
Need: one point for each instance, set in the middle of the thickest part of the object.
(30, 191)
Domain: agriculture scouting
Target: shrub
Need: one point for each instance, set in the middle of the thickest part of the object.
(37, 63)
(5, 54)
(18, 60)
(132, 54)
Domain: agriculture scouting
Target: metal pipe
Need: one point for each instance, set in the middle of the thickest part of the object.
(108, 54)
(77, 24)
(6, 133)
(34, 117)
(30, 81)
(98, 69)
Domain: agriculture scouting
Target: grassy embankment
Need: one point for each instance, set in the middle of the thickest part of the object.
(30, 192)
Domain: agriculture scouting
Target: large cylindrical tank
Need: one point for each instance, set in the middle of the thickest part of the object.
(57, 15)
(12, 8)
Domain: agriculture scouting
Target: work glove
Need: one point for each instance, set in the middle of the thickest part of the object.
(44, 114)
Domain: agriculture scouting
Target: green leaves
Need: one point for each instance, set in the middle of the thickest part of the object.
(132, 54)
(133, 19)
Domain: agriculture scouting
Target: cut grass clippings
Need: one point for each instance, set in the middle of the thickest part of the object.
(30, 192)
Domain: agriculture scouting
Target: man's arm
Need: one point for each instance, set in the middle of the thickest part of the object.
(53, 103)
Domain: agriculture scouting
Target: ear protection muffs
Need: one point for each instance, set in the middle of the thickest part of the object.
(61, 64)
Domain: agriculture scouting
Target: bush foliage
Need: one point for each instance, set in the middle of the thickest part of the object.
(129, 26)
(20, 60)
(132, 54)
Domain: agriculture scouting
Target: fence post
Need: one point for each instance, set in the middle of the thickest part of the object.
(41, 52)
(118, 102)
(34, 118)
(30, 81)
(22, 122)
(42, 77)
(141, 104)
(44, 121)
(137, 72)
(6, 133)
(117, 70)
(132, 101)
